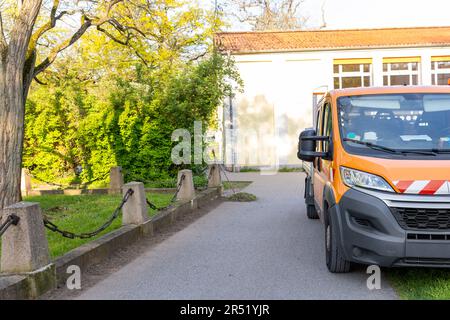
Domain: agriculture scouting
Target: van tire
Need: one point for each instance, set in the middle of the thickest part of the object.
(335, 260)
(311, 212)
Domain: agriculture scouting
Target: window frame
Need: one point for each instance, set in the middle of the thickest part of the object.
(436, 71)
(409, 72)
(355, 74)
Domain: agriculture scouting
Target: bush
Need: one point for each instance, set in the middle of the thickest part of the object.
(70, 126)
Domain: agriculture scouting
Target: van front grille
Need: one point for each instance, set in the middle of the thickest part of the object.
(428, 236)
(422, 219)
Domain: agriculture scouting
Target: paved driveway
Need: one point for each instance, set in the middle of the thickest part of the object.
(267, 249)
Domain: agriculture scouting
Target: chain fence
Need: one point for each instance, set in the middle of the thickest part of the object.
(11, 220)
(66, 186)
(224, 172)
(172, 201)
(71, 235)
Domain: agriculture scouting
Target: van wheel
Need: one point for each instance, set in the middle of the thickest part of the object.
(311, 212)
(336, 262)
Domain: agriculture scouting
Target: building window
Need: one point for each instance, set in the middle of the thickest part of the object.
(401, 71)
(440, 71)
(352, 73)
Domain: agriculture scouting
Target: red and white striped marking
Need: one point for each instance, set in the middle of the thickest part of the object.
(424, 187)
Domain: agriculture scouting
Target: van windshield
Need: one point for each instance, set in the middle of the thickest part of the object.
(396, 125)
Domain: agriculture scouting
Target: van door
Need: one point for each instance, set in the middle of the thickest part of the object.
(322, 167)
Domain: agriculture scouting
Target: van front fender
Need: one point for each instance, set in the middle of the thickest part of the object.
(329, 200)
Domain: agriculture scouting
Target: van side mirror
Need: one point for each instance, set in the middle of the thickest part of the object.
(307, 142)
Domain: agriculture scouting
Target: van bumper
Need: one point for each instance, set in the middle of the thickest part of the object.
(370, 234)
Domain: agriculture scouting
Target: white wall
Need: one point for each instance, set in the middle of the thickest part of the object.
(276, 104)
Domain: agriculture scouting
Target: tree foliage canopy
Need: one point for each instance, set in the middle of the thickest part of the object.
(116, 95)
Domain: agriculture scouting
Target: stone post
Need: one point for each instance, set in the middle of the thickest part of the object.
(25, 184)
(214, 179)
(135, 210)
(187, 190)
(115, 180)
(24, 247)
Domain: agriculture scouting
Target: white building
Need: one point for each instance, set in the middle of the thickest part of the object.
(284, 72)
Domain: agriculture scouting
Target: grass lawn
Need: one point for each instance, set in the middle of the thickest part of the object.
(238, 185)
(83, 213)
(199, 182)
(421, 283)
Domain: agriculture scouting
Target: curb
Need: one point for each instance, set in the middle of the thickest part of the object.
(29, 286)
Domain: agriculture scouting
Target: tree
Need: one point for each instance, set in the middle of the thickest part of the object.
(23, 24)
(33, 33)
(269, 14)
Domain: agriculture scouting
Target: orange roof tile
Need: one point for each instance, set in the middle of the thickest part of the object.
(273, 41)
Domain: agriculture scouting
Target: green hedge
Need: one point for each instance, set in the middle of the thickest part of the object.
(95, 126)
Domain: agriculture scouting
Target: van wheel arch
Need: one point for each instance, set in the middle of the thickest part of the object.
(328, 196)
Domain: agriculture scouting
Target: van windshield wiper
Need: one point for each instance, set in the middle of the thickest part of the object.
(390, 150)
(371, 145)
(440, 150)
(422, 152)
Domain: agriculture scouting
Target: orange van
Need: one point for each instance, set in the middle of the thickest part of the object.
(378, 176)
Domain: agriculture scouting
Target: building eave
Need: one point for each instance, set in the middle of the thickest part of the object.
(354, 48)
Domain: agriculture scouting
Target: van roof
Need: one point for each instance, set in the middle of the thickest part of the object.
(389, 90)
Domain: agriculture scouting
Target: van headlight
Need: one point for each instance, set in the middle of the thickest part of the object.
(356, 178)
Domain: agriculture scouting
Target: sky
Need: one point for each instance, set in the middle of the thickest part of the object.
(350, 14)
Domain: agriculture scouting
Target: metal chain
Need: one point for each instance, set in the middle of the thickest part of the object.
(47, 182)
(69, 185)
(226, 177)
(174, 198)
(70, 235)
(221, 168)
(11, 220)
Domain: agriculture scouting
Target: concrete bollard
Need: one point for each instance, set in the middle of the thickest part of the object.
(187, 190)
(135, 210)
(25, 184)
(214, 178)
(115, 180)
(25, 246)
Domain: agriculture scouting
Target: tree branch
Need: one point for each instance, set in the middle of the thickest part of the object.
(39, 81)
(64, 45)
(114, 38)
(87, 23)
(46, 27)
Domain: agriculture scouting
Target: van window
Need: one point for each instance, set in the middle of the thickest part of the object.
(327, 125)
(319, 126)
(402, 122)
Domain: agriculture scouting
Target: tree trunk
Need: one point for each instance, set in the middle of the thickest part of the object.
(12, 112)
(15, 79)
